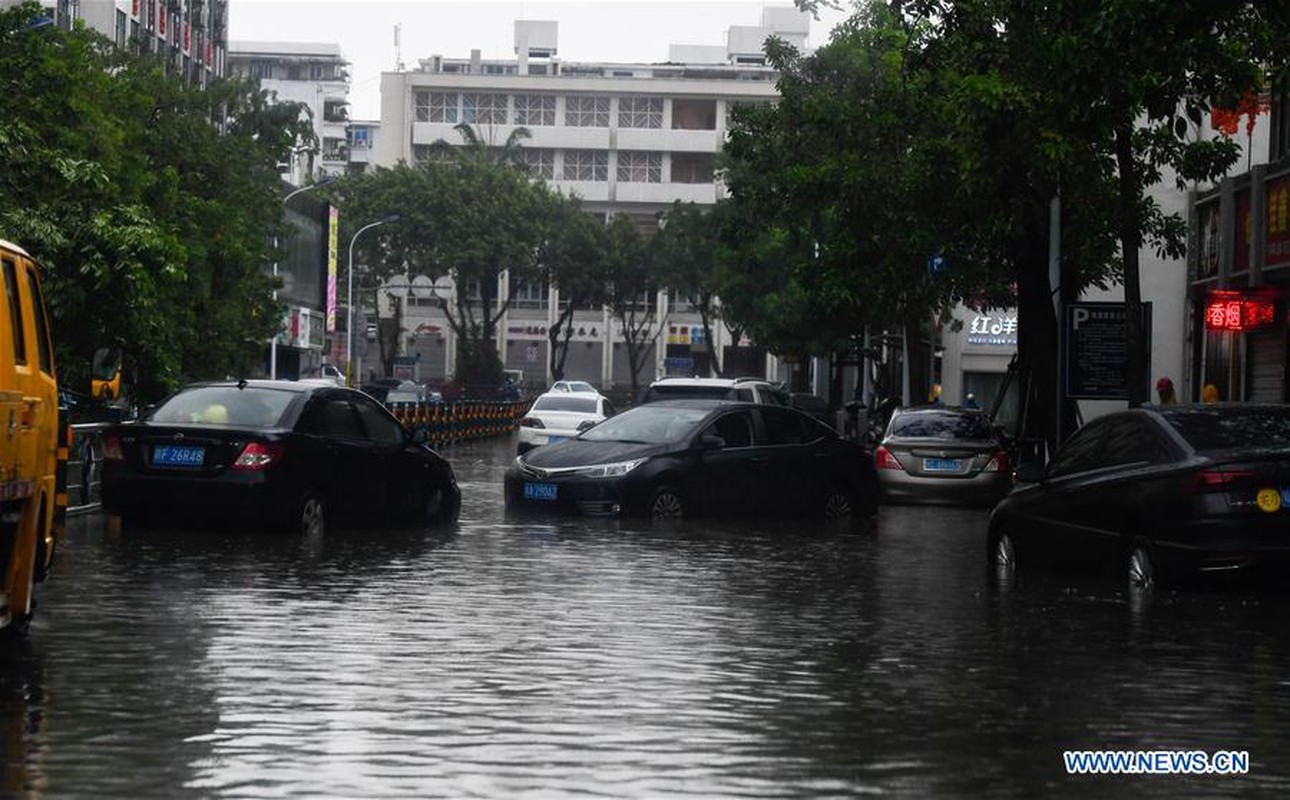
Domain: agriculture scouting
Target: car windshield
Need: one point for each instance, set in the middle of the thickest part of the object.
(941, 425)
(648, 425)
(225, 405)
(581, 405)
(1221, 428)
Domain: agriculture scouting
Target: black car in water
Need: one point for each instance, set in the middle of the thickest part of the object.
(274, 453)
(680, 458)
(1156, 493)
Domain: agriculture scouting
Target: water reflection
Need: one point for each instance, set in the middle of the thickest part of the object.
(553, 657)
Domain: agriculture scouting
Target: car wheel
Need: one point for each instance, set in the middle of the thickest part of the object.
(666, 503)
(311, 514)
(1141, 567)
(837, 505)
(441, 506)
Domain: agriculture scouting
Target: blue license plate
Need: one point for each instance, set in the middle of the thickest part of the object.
(170, 455)
(539, 491)
(942, 464)
(554, 439)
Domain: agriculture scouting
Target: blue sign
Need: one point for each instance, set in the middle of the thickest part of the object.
(937, 264)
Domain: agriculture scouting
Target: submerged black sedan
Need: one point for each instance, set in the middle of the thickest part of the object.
(273, 453)
(680, 458)
(1161, 492)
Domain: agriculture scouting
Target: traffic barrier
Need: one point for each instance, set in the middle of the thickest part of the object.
(461, 420)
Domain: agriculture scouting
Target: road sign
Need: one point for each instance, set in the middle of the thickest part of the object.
(1096, 348)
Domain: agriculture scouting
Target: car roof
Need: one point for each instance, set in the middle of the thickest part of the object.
(301, 386)
(562, 394)
(712, 382)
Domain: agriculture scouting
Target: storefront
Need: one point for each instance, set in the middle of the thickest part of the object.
(976, 358)
(1240, 284)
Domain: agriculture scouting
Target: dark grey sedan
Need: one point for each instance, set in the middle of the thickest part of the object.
(942, 454)
(1163, 491)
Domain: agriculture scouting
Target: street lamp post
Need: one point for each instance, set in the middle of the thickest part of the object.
(273, 343)
(349, 295)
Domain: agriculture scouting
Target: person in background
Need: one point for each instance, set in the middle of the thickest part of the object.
(1209, 394)
(1165, 390)
(934, 396)
(970, 401)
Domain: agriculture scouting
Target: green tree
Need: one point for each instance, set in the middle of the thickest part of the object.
(574, 260)
(467, 219)
(633, 284)
(151, 221)
(690, 252)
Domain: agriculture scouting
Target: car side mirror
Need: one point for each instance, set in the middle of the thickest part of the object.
(710, 441)
(420, 436)
(1030, 472)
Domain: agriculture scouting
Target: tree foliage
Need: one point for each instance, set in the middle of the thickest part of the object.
(151, 214)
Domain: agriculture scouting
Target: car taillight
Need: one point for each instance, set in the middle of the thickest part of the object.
(531, 422)
(883, 459)
(112, 449)
(1220, 480)
(998, 463)
(258, 456)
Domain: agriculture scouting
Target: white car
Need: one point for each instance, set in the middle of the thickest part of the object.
(555, 416)
(574, 386)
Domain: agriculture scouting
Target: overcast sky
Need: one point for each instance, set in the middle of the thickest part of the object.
(589, 30)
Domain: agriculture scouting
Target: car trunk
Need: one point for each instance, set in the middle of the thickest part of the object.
(186, 449)
(941, 458)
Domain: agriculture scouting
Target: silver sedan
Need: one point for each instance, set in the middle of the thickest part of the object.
(942, 454)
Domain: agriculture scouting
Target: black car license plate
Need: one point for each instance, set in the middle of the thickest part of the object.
(539, 491)
(172, 455)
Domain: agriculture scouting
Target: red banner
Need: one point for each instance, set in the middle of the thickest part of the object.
(161, 20)
(188, 37)
(1233, 310)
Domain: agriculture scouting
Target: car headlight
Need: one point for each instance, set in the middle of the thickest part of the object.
(611, 470)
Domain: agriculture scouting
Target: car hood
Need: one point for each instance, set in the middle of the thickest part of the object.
(578, 453)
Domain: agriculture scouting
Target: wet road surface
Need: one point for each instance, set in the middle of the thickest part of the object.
(563, 658)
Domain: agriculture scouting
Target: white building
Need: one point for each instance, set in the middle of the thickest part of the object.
(192, 35)
(316, 75)
(625, 138)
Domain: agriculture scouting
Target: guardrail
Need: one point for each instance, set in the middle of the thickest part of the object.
(444, 424)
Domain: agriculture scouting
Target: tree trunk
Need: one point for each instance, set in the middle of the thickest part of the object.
(1037, 355)
(1136, 359)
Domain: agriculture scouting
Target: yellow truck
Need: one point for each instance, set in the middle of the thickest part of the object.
(33, 443)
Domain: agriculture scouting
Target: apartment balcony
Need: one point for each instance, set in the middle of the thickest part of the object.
(588, 190)
(665, 193)
(664, 140)
(539, 136)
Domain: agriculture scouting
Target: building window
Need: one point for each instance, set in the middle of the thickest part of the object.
(585, 165)
(692, 168)
(359, 138)
(261, 69)
(638, 167)
(534, 109)
(430, 154)
(640, 112)
(436, 107)
(694, 115)
(540, 163)
(121, 27)
(586, 112)
(529, 294)
(483, 108)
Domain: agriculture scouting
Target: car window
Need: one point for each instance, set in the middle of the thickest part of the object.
(941, 425)
(1133, 441)
(225, 405)
(608, 407)
(1218, 428)
(745, 395)
(565, 402)
(332, 417)
(783, 427)
(380, 426)
(648, 424)
(1082, 452)
(735, 429)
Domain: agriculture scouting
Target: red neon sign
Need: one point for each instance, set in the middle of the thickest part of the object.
(1233, 311)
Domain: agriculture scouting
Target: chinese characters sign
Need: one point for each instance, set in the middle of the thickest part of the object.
(1233, 311)
(995, 329)
(1278, 236)
(333, 244)
(1096, 342)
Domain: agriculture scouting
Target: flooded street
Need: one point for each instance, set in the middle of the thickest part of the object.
(554, 658)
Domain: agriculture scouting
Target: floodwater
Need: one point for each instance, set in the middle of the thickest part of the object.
(588, 658)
